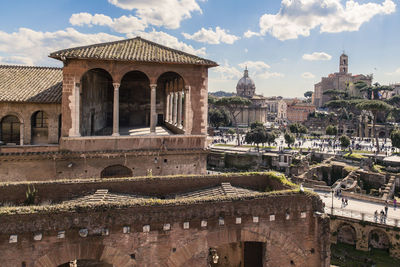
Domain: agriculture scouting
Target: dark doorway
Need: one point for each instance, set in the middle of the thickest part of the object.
(39, 128)
(160, 119)
(253, 254)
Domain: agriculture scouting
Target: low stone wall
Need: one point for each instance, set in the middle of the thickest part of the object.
(43, 166)
(121, 143)
(56, 191)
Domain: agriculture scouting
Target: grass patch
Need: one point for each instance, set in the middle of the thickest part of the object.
(345, 255)
(378, 168)
(354, 156)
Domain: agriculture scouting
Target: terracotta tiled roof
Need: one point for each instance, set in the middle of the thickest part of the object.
(30, 84)
(136, 49)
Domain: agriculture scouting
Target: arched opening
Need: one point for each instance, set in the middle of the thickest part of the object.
(96, 103)
(378, 239)
(86, 263)
(134, 102)
(116, 171)
(10, 130)
(346, 234)
(171, 100)
(39, 128)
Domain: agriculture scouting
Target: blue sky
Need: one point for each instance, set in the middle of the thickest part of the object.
(288, 45)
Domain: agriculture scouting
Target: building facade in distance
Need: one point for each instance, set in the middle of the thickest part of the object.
(257, 111)
(341, 81)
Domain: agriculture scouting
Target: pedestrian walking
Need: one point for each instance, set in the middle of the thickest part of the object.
(381, 216)
(394, 203)
(386, 209)
(376, 216)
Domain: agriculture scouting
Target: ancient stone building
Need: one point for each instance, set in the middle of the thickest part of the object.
(257, 111)
(222, 220)
(130, 107)
(342, 81)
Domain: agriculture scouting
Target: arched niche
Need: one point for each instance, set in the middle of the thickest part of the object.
(96, 108)
(134, 102)
(116, 171)
(10, 130)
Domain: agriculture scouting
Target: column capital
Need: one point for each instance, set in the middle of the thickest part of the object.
(116, 86)
(187, 88)
(153, 86)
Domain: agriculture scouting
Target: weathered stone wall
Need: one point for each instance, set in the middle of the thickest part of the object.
(24, 112)
(56, 191)
(365, 234)
(178, 235)
(65, 165)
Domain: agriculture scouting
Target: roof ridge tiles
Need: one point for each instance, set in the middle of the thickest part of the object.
(29, 67)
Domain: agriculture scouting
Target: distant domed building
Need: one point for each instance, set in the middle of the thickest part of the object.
(257, 111)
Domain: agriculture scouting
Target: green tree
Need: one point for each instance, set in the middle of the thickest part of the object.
(395, 137)
(374, 106)
(298, 128)
(270, 138)
(256, 135)
(218, 117)
(308, 96)
(331, 130)
(256, 124)
(289, 139)
(234, 105)
(344, 141)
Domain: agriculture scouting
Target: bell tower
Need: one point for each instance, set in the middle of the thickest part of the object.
(344, 64)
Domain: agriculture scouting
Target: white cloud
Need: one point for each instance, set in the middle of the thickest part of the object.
(167, 13)
(396, 72)
(123, 24)
(16, 60)
(307, 75)
(246, 50)
(226, 72)
(259, 69)
(298, 17)
(170, 41)
(33, 47)
(317, 56)
(250, 34)
(212, 37)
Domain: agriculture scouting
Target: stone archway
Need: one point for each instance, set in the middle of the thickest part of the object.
(288, 248)
(86, 251)
(346, 234)
(378, 239)
(10, 129)
(116, 171)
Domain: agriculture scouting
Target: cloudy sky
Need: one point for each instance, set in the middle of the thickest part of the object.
(287, 45)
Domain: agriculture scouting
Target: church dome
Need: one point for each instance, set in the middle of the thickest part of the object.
(245, 86)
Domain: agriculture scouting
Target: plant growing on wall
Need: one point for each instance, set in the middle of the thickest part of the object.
(30, 195)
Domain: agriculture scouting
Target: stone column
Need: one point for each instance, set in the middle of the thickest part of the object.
(188, 115)
(116, 110)
(179, 124)
(153, 114)
(175, 112)
(21, 134)
(77, 110)
(171, 106)
(166, 118)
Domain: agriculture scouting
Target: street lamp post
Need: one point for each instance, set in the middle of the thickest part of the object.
(332, 191)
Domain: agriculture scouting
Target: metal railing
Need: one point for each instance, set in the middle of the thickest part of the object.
(362, 216)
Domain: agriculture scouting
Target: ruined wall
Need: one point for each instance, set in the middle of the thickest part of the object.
(57, 191)
(65, 165)
(162, 235)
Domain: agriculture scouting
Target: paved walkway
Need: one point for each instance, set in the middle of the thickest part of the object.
(355, 207)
